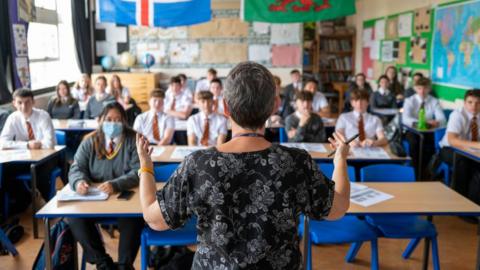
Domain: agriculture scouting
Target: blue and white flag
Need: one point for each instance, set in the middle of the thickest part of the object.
(155, 13)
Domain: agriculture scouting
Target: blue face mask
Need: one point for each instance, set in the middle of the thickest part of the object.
(112, 129)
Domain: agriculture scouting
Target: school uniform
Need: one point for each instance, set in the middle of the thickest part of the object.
(95, 107)
(288, 103)
(383, 99)
(63, 110)
(352, 87)
(218, 105)
(120, 169)
(179, 102)
(80, 94)
(351, 124)
(197, 124)
(319, 102)
(396, 88)
(433, 111)
(202, 85)
(467, 127)
(313, 131)
(153, 129)
(409, 92)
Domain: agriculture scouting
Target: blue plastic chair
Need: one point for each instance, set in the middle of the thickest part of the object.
(61, 137)
(187, 235)
(4, 240)
(402, 227)
(348, 229)
(443, 168)
(283, 135)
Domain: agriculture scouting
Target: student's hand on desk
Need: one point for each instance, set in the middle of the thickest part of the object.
(144, 151)
(106, 187)
(367, 143)
(34, 144)
(82, 187)
(342, 149)
(433, 123)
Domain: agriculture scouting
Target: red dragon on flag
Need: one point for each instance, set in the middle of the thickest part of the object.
(305, 5)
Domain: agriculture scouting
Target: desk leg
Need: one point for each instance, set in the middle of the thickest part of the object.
(306, 244)
(75, 255)
(33, 172)
(478, 247)
(426, 249)
(453, 184)
(48, 258)
(420, 156)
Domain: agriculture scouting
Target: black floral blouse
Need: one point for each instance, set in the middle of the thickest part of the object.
(247, 205)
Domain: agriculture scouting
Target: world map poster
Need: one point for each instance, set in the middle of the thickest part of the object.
(456, 45)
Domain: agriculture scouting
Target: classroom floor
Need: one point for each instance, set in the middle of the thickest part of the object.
(457, 247)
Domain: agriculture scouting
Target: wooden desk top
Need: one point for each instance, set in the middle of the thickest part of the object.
(429, 198)
(473, 153)
(63, 124)
(34, 155)
(168, 150)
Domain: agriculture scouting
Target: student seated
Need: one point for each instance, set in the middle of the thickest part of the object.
(319, 103)
(216, 89)
(395, 86)
(411, 91)
(204, 85)
(434, 117)
(360, 83)
(303, 125)
(276, 119)
(96, 102)
(63, 105)
(178, 103)
(28, 128)
(118, 91)
(107, 159)
(82, 89)
(383, 98)
(368, 126)
(154, 124)
(463, 130)
(206, 128)
(183, 81)
(290, 91)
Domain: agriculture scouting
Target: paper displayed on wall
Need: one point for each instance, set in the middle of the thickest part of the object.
(221, 53)
(259, 53)
(26, 10)
(157, 49)
(379, 30)
(402, 53)
(220, 28)
(261, 28)
(142, 32)
(285, 33)
(367, 37)
(367, 63)
(23, 72)
(20, 38)
(182, 52)
(389, 50)
(405, 25)
(286, 55)
(375, 50)
(110, 39)
(418, 50)
(392, 28)
(422, 20)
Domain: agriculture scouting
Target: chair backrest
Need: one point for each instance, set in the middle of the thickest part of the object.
(283, 135)
(61, 137)
(438, 136)
(387, 173)
(447, 113)
(327, 170)
(164, 171)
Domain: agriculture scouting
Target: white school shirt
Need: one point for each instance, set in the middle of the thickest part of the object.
(202, 85)
(15, 134)
(433, 110)
(186, 89)
(319, 102)
(220, 109)
(144, 124)
(217, 126)
(182, 100)
(459, 123)
(116, 141)
(349, 123)
(80, 94)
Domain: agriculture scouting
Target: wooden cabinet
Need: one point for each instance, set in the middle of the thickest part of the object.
(139, 84)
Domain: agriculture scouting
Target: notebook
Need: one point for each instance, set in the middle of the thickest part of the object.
(94, 194)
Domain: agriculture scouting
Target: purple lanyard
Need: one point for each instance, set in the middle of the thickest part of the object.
(247, 135)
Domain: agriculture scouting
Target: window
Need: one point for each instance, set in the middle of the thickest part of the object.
(51, 46)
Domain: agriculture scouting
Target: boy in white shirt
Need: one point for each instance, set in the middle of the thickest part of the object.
(368, 126)
(319, 103)
(154, 124)
(463, 130)
(204, 85)
(216, 89)
(206, 128)
(178, 103)
(434, 116)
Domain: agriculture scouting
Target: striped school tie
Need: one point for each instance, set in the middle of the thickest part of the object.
(111, 147)
(156, 131)
(206, 133)
(31, 135)
(361, 128)
(474, 129)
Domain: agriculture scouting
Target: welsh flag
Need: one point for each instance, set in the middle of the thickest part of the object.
(290, 11)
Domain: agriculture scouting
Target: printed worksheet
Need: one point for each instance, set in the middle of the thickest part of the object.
(365, 196)
(181, 152)
(94, 194)
(309, 147)
(369, 153)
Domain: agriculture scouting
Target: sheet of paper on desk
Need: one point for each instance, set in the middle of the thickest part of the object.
(369, 152)
(180, 125)
(386, 111)
(90, 123)
(157, 151)
(309, 147)
(9, 155)
(75, 123)
(94, 194)
(182, 152)
(365, 196)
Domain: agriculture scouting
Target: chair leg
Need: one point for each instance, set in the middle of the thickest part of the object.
(435, 257)
(144, 252)
(309, 254)
(374, 255)
(411, 247)
(352, 252)
(84, 262)
(5, 241)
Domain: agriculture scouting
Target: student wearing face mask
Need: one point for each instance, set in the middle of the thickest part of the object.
(96, 102)
(63, 105)
(108, 159)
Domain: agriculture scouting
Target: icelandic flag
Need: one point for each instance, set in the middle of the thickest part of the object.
(154, 13)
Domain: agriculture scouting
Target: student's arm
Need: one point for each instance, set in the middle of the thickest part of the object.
(222, 132)
(380, 134)
(191, 137)
(296, 134)
(409, 114)
(76, 110)
(128, 180)
(79, 171)
(455, 141)
(48, 141)
(181, 114)
(320, 134)
(7, 137)
(381, 139)
(86, 114)
(324, 112)
(455, 126)
(439, 115)
(167, 137)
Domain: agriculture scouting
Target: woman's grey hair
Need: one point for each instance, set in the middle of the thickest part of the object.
(250, 95)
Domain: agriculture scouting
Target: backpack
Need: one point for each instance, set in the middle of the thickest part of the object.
(62, 243)
(393, 133)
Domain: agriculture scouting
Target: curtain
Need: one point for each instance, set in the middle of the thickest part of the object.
(5, 52)
(81, 31)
